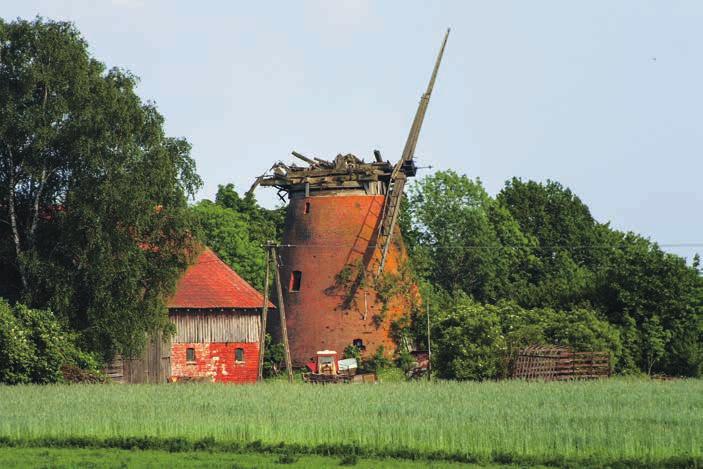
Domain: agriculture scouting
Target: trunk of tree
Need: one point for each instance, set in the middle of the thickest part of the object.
(13, 217)
(35, 208)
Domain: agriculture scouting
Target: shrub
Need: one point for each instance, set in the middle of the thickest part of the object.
(469, 342)
(475, 341)
(34, 347)
(17, 352)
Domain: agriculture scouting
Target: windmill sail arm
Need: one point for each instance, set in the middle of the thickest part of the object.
(414, 134)
(405, 166)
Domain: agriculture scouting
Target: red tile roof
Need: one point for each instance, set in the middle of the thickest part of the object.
(210, 283)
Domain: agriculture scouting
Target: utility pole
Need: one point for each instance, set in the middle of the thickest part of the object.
(264, 317)
(429, 347)
(282, 313)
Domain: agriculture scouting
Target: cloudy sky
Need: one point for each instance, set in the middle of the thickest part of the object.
(605, 97)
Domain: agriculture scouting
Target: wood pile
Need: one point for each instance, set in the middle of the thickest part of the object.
(560, 364)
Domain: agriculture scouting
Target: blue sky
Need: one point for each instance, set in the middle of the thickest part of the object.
(605, 97)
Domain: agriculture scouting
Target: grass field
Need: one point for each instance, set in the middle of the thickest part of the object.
(76, 457)
(615, 421)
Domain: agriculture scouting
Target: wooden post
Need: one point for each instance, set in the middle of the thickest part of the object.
(429, 346)
(264, 316)
(282, 313)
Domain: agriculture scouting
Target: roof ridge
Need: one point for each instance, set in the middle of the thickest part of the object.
(212, 283)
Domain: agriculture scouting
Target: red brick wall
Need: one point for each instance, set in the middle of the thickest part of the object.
(216, 361)
(336, 232)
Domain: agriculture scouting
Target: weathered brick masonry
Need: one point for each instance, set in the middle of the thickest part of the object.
(216, 361)
(324, 234)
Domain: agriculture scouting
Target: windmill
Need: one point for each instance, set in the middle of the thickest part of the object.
(405, 166)
(342, 214)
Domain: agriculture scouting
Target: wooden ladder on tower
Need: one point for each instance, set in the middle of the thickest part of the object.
(391, 210)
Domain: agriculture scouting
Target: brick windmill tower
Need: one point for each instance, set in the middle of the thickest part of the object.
(342, 258)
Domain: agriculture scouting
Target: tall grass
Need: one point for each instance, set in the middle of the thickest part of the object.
(613, 420)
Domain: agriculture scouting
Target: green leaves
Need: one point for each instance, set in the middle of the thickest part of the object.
(93, 188)
(237, 229)
(33, 345)
(475, 341)
(537, 245)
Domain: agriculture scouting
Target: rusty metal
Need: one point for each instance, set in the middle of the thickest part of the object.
(559, 363)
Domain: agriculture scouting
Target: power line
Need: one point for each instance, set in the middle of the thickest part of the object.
(499, 246)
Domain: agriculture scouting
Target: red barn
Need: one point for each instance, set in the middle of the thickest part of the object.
(218, 319)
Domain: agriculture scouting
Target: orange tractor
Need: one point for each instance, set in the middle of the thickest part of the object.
(325, 368)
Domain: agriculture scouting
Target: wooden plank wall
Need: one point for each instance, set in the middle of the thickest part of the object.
(153, 366)
(226, 326)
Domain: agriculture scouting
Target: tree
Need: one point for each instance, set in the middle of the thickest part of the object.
(537, 245)
(463, 239)
(92, 193)
(264, 225)
(569, 243)
(656, 297)
(475, 341)
(227, 233)
(237, 229)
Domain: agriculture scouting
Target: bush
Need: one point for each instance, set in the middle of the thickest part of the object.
(478, 342)
(34, 347)
(17, 352)
(469, 342)
(274, 356)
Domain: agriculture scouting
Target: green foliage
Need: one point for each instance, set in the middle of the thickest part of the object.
(352, 351)
(34, 346)
(93, 190)
(469, 342)
(274, 356)
(377, 362)
(476, 341)
(16, 349)
(405, 361)
(237, 229)
(538, 245)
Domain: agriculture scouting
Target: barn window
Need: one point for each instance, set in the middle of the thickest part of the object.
(190, 354)
(358, 343)
(239, 355)
(307, 207)
(295, 278)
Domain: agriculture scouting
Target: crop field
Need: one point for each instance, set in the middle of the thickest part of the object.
(618, 421)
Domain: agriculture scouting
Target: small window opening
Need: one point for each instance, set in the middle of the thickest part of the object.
(190, 354)
(307, 207)
(295, 278)
(358, 343)
(239, 355)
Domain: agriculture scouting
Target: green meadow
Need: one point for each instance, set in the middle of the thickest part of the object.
(629, 422)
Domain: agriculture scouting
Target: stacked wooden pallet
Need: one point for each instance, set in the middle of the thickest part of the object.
(560, 363)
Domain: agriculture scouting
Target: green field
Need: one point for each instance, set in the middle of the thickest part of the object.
(77, 457)
(616, 421)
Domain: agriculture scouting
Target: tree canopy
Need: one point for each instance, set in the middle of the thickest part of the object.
(237, 229)
(93, 207)
(537, 245)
